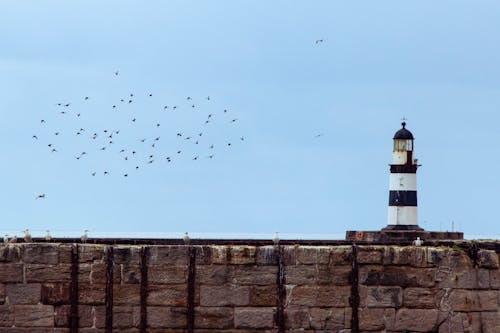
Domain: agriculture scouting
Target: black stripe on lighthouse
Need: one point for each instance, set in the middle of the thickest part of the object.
(403, 198)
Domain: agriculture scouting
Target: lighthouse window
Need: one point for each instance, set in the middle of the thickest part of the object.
(399, 145)
(409, 145)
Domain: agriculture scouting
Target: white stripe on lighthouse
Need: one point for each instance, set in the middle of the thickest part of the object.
(403, 182)
(402, 215)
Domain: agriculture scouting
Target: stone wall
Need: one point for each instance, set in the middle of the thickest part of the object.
(239, 289)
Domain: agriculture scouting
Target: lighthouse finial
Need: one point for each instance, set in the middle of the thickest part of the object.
(404, 121)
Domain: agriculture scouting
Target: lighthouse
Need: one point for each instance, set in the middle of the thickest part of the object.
(402, 214)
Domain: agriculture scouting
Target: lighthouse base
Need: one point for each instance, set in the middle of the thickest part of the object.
(399, 235)
(402, 227)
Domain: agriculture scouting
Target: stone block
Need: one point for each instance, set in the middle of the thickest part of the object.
(126, 294)
(313, 255)
(92, 294)
(62, 316)
(448, 258)
(266, 256)
(473, 300)
(215, 275)
(297, 318)
(381, 297)
(416, 320)
(468, 278)
(257, 318)
(126, 316)
(370, 255)
(9, 253)
(224, 295)
(255, 275)
(165, 317)
(6, 316)
(319, 296)
(397, 276)
(12, 273)
(24, 293)
(127, 255)
(422, 298)
(376, 319)
(98, 273)
(487, 259)
(88, 253)
(329, 319)
(48, 273)
(170, 255)
(167, 295)
(457, 323)
(494, 278)
(408, 256)
(130, 274)
(36, 253)
(241, 255)
(34, 315)
(264, 296)
(168, 274)
(320, 274)
(490, 322)
(214, 317)
(56, 293)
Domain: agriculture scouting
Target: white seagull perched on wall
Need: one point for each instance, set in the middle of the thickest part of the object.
(186, 238)
(27, 236)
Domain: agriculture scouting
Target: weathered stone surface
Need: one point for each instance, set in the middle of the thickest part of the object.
(376, 319)
(416, 320)
(490, 322)
(24, 293)
(56, 293)
(297, 318)
(457, 323)
(126, 294)
(330, 319)
(313, 255)
(254, 317)
(224, 296)
(164, 317)
(2, 293)
(6, 316)
(397, 276)
(236, 274)
(370, 254)
(409, 256)
(321, 274)
(167, 274)
(93, 294)
(48, 273)
(126, 316)
(98, 273)
(36, 253)
(474, 300)
(381, 297)
(464, 278)
(448, 258)
(90, 253)
(62, 316)
(319, 296)
(267, 255)
(126, 255)
(171, 255)
(11, 273)
(263, 295)
(214, 317)
(130, 274)
(167, 295)
(487, 259)
(422, 298)
(240, 255)
(9, 253)
(34, 315)
(341, 255)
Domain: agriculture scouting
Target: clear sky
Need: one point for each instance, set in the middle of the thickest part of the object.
(434, 62)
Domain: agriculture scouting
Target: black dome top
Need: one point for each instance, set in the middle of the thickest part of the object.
(403, 134)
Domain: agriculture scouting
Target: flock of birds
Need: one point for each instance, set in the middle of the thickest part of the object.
(144, 136)
(85, 237)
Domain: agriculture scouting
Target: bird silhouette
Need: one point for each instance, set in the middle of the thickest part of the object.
(40, 196)
(34, 137)
(318, 41)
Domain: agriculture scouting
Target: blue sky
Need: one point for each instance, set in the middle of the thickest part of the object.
(435, 63)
